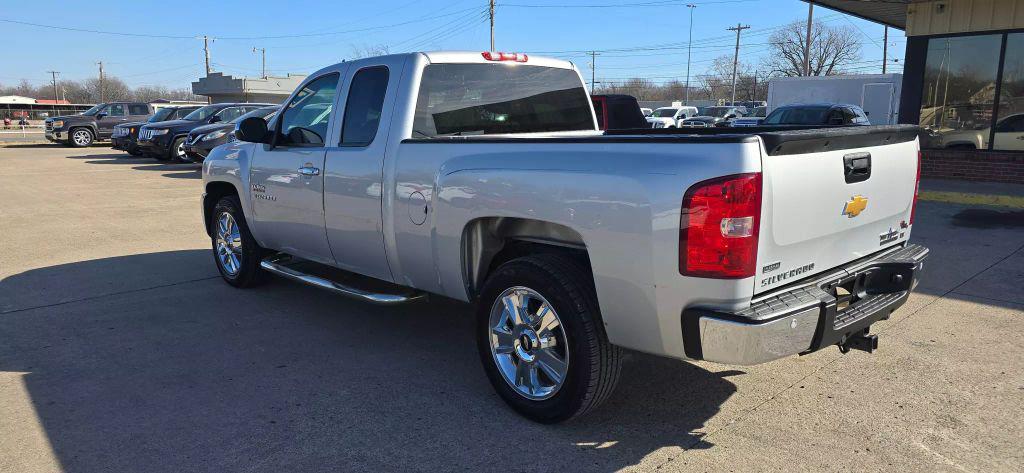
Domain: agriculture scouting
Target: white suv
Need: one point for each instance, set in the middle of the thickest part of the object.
(670, 117)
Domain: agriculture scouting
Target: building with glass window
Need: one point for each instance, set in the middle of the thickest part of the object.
(963, 81)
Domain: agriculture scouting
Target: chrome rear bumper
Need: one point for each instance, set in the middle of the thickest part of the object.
(827, 310)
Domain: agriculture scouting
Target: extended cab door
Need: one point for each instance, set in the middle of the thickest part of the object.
(355, 167)
(137, 112)
(286, 176)
(114, 114)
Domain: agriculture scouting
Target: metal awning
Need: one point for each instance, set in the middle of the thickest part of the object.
(886, 12)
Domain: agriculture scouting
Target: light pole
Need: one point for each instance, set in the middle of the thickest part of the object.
(689, 47)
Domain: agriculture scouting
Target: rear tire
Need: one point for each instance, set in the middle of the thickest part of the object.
(80, 137)
(235, 251)
(592, 364)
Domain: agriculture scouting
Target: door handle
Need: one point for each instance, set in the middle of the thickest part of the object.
(857, 167)
(309, 171)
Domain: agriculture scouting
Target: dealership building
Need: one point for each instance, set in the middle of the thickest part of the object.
(963, 81)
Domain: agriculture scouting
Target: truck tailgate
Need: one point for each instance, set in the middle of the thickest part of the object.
(833, 196)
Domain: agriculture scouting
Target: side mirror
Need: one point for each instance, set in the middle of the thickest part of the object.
(252, 130)
(730, 116)
(214, 119)
(99, 116)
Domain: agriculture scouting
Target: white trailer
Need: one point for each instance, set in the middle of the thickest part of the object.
(877, 94)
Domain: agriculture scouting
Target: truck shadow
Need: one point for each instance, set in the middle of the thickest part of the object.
(181, 170)
(150, 363)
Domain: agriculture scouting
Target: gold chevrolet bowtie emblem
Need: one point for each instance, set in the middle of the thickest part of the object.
(855, 206)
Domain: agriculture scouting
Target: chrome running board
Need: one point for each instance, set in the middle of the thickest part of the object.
(278, 264)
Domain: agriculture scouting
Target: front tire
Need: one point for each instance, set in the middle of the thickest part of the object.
(177, 152)
(234, 249)
(541, 340)
(80, 138)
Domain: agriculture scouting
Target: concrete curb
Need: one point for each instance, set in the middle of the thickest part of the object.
(967, 198)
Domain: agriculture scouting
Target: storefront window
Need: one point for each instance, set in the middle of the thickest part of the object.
(959, 90)
(1009, 129)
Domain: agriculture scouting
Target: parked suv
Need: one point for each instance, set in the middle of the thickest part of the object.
(818, 114)
(202, 140)
(95, 124)
(126, 136)
(166, 140)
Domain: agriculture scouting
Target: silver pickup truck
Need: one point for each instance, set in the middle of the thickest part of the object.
(482, 177)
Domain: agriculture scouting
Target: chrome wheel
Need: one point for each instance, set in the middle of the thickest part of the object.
(229, 244)
(179, 151)
(82, 137)
(528, 343)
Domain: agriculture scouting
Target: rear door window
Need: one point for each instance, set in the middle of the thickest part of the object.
(364, 106)
(230, 113)
(482, 99)
(138, 109)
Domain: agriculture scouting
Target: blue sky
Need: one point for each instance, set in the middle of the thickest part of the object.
(158, 45)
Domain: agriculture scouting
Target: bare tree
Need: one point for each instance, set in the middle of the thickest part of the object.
(370, 50)
(113, 89)
(832, 48)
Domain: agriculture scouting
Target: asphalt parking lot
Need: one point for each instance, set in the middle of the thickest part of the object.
(121, 350)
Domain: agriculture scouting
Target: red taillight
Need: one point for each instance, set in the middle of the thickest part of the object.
(497, 56)
(718, 227)
(917, 188)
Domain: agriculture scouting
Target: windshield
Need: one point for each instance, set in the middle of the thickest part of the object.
(95, 108)
(161, 115)
(265, 113)
(719, 112)
(797, 116)
(665, 112)
(203, 113)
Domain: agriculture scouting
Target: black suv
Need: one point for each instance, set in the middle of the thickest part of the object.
(203, 139)
(166, 140)
(126, 135)
(95, 124)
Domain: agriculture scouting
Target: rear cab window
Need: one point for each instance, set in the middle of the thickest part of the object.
(484, 99)
(364, 106)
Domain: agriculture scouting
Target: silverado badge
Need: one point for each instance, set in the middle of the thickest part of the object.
(855, 206)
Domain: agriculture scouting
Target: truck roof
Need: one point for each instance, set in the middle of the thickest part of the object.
(473, 57)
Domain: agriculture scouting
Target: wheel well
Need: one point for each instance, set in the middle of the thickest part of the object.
(87, 127)
(489, 242)
(214, 192)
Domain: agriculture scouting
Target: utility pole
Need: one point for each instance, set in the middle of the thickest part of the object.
(101, 80)
(885, 48)
(807, 43)
(736, 58)
(262, 51)
(206, 52)
(492, 25)
(55, 97)
(689, 47)
(593, 67)
(54, 75)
